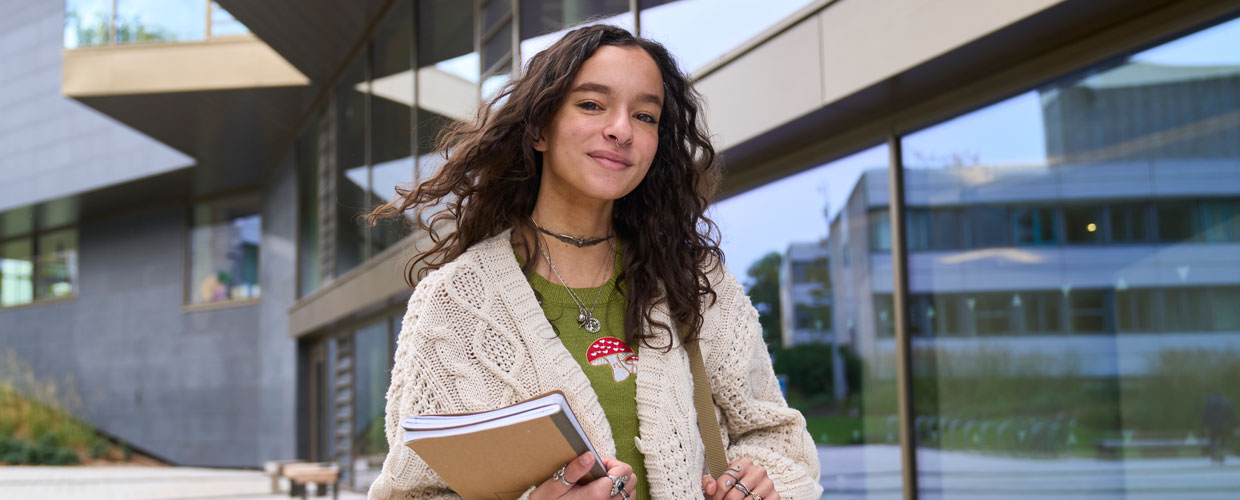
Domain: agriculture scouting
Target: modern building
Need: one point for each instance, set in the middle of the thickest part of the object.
(805, 295)
(1114, 234)
(180, 191)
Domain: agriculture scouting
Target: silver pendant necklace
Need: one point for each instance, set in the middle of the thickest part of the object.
(585, 317)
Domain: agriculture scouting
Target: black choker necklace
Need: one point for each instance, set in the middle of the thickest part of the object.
(578, 242)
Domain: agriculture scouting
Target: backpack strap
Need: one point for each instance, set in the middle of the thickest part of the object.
(703, 401)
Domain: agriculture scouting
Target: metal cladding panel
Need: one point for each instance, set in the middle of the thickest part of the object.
(50, 145)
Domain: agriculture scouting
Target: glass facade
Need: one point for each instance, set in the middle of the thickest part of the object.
(104, 22)
(683, 25)
(38, 252)
(224, 240)
(1074, 273)
(1072, 252)
(792, 242)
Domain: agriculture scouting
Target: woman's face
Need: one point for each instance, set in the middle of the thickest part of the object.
(602, 139)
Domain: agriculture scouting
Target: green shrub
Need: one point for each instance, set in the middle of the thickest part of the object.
(98, 449)
(810, 368)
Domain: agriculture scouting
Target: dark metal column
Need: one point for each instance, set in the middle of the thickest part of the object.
(899, 297)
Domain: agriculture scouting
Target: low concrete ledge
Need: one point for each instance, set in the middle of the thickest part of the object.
(235, 62)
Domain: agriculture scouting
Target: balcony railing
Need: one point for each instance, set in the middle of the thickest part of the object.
(109, 22)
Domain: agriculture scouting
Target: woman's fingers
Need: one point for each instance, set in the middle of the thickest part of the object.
(743, 478)
(766, 489)
(573, 472)
(708, 486)
(726, 482)
(601, 487)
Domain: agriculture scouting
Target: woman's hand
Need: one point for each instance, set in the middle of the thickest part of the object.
(742, 471)
(599, 489)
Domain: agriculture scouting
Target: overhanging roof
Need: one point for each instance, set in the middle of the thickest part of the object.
(316, 36)
(233, 134)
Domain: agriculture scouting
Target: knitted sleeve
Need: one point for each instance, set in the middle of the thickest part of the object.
(759, 424)
(432, 374)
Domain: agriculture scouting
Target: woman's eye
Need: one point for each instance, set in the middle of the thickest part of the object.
(648, 119)
(589, 106)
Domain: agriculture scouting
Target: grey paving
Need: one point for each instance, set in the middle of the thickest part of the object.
(140, 483)
(873, 472)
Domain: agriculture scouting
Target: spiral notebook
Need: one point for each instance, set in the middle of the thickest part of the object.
(499, 454)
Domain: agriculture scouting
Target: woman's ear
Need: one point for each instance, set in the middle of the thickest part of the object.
(539, 143)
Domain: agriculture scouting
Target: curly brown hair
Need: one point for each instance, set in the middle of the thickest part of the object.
(490, 183)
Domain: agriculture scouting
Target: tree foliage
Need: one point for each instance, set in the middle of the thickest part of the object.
(95, 31)
(762, 285)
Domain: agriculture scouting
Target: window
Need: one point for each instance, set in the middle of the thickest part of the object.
(1129, 223)
(813, 271)
(1225, 309)
(812, 317)
(987, 226)
(1089, 311)
(1041, 311)
(1135, 310)
(223, 250)
(1131, 168)
(57, 263)
(880, 231)
(1034, 226)
(1175, 221)
(16, 272)
(992, 313)
(1187, 310)
(1084, 224)
(1220, 220)
(38, 252)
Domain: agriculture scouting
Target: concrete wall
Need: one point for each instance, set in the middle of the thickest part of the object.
(182, 385)
(50, 145)
(277, 351)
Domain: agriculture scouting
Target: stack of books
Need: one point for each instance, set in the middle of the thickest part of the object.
(499, 454)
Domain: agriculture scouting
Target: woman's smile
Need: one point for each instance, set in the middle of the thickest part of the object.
(608, 159)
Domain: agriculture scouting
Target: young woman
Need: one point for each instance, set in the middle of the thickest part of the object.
(578, 257)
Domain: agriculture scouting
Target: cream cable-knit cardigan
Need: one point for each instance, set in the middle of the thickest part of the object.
(474, 338)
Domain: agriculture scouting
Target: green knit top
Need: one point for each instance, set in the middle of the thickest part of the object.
(609, 363)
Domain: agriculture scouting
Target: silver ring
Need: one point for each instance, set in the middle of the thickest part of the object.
(736, 468)
(744, 489)
(733, 474)
(617, 484)
(624, 495)
(559, 476)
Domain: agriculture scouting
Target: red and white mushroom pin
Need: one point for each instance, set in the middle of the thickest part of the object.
(613, 352)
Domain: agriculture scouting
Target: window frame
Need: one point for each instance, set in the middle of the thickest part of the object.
(36, 233)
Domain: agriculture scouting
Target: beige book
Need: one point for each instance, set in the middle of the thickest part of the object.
(499, 454)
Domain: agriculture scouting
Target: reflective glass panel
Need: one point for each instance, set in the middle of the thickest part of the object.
(804, 249)
(352, 174)
(16, 272)
(372, 373)
(223, 250)
(699, 31)
(391, 118)
(448, 72)
(58, 264)
(308, 158)
(543, 22)
(17, 222)
(87, 22)
(99, 22)
(1079, 339)
(160, 21)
